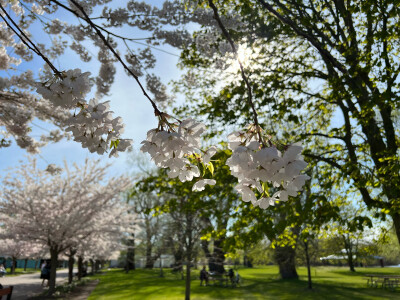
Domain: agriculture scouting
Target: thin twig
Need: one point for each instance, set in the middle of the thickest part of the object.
(249, 92)
(107, 44)
(22, 36)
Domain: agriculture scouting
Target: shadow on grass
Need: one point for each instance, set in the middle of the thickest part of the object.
(298, 289)
(146, 284)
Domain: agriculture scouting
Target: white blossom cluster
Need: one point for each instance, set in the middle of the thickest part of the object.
(256, 165)
(95, 129)
(6, 60)
(69, 91)
(171, 149)
(93, 126)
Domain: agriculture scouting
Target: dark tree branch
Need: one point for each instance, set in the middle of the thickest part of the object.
(325, 135)
(325, 53)
(27, 41)
(107, 44)
(328, 160)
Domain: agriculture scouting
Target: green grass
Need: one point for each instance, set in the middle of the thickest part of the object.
(20, 271)
(258, 283)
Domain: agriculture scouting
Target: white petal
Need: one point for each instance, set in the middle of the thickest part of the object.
(264, 203)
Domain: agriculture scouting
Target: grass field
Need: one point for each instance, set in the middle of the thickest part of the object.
(258, 283)
(20, 271)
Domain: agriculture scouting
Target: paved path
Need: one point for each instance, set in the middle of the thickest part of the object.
(29, 285)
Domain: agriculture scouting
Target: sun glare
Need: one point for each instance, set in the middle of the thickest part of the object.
(244, 54)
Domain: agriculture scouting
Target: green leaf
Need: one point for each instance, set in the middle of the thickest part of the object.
(211, 168)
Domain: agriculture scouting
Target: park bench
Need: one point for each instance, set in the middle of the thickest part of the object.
(218, 278)
(6, 292)
(386, 281)
(391, 282)
(373, 280)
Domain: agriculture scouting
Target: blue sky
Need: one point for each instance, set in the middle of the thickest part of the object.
(126, 99)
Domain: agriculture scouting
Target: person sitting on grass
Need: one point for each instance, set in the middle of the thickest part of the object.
(203, 276)
(231, 275)
(237, 279)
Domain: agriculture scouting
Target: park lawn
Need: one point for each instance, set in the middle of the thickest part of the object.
(20, 271)
(258, 283)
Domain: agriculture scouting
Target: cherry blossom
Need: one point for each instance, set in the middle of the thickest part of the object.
(255, 165)
(200, 185)
(60, 210)
(93, 126)
(172, 145)
(256, 162)
(68, 91)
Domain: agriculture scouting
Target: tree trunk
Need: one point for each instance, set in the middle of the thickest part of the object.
(13, 264)
(308, 265)
(350, 261)
(149, 258)
(91, 266)
(349, 251)
(187, 285)
(161, 267)
(285, 257)
(96, 265)
(396, 224)
(217, 257)
(210, 259)
(53, 270)
(247, 261)
(130, 254)
(80, 267)
(25, 264)
(178, 257)
(70, 267)
(36, 263)
(189, 250)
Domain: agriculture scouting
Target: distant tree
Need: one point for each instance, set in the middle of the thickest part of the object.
(388, 247)
(58, 210)
(18, 249)
(149, 224)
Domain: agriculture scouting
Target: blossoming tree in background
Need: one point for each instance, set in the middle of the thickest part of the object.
(60, 211)
(16, 248)
(111, 226)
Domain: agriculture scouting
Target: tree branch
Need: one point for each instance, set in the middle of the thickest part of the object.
(85, 17)
(26, 40)
(325, 53)
(231, 42)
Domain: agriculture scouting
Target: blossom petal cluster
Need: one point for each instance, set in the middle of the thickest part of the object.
(256, 165)
(93, 126)
(69, 91)
(171, 148)
(201, 184)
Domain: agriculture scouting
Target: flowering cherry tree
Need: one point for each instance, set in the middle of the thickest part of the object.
(175, 144)
(60, 210)
(16, 248)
